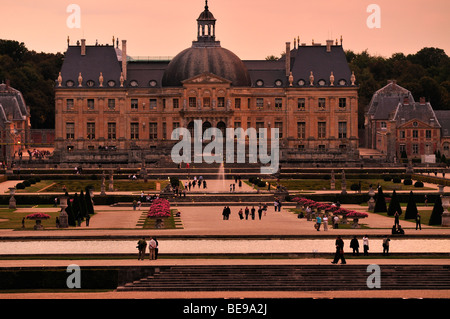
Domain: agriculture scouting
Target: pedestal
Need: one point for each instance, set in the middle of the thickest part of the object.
(12, 200)
(63, 217)
(445, 214)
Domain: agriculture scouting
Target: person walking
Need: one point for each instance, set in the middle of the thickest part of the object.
(339, 251)
(260, 211)
(354, 244)
(318, 222)
(336, 222)
(366, 245)
(396, 219)
(418, 223)
(386, 241)
(241, 214)
(246, 212)
(152, 248)
(88, 218)
(224, 213)
(141, 246)
(156, 248)
(253, 212)
(325, 222)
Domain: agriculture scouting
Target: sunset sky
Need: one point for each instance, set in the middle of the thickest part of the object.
(253, 29)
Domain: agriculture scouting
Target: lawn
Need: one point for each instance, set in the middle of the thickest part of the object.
(75, 186)
(169, 223)
(322, 184)
(9, 219)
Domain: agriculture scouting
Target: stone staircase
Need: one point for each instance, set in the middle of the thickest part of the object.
(290, 278)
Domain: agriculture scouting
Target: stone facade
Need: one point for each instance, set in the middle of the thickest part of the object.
(112, 107)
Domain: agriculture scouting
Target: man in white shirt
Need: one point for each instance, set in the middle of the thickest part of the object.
(152, 248)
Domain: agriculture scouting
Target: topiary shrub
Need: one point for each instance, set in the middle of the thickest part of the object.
(32, 181)
(26, 183)
(407, 181)
(418, 184)
(354, 187)
(396, 180)
(387, 178)
(20, 186)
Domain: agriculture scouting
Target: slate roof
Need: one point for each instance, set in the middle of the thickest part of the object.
(385, 100)
(444, 119)
(97, 59)
(416, 111)
(12, 102)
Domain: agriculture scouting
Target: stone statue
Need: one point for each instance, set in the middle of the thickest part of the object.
(311, 79)
(100, 79)
(332, 79)
(80, 80)
(353, 78)
(122, 79)
(59, 79)
(291, 79)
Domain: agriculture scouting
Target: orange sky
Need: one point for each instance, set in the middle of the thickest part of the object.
(253, 29)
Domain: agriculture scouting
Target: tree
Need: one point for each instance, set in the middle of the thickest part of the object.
(394, 205)
(436, 214)
(69, 210)
(76, 208)
(411, 208)
(83, 206)
(380, 203)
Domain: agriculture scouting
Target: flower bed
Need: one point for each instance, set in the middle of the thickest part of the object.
(160, 208)
(329, 208)
(38, 216)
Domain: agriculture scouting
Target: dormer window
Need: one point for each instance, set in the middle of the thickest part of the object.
(90, 83)
(134, 83)
(70, 83)
(259, 83)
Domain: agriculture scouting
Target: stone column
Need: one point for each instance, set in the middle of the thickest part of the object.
(445, 214)
(12, 200)
(63, 217)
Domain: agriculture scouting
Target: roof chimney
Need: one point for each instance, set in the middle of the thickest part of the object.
(422, 101)
(329, 44)
(83, 47)
(124, 59)
(406, 100)
(288, 58)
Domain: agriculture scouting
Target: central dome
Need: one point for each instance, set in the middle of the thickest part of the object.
(206, 56)
(206, 59)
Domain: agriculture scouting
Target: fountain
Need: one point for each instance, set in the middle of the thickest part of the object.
(221, 176)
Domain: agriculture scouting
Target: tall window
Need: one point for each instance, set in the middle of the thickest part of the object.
(221, 101)
(153, 104)
(176, 103)
(342, 129)
(153, 131)
(301, 130)
(192, 101)
(278, 103)
(134, 130)
(258, 126)
(164, 130)
(207, 101)
(279, 126)
(69, 104)
(415, 133)
(70, 130)
(321, 103)
(322, 130)
(428, 133)
(111, 104)
(237, 103)
(111, 131)
(90, 104)
(342, 102)
(301, 104)
(259, 103)
(415, 148)
(134, 104)
(91, 131)
(176, 125)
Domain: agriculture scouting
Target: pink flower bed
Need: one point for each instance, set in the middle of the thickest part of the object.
(38, 216)
(330, 208)
(160, 208)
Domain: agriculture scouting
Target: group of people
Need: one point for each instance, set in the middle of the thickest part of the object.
(152, 248)
(200, 182)
(354, 245)
(245, 213)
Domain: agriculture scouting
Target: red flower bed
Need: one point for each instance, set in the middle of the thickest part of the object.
(331, 208)
(38, 216)
(160, 208)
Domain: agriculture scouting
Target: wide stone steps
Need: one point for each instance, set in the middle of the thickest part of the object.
(289, 278)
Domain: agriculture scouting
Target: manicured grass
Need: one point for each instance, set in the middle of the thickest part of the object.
(169, 223)
(322, 184)
(9, 219)
(75, 186)
(341, 226)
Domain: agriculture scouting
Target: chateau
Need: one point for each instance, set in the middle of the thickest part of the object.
(112, 108)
